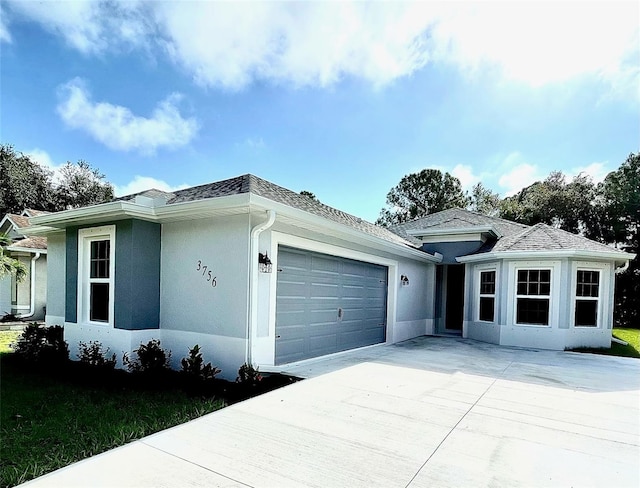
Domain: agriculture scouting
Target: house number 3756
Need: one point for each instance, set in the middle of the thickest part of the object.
(206, 273)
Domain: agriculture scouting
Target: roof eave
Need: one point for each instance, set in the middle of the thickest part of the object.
(456, 230)
(262, 203)
(618, 256)
(31, 250)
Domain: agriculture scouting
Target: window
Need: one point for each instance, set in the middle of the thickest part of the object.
(99, 281)
(532, 296)
(487, 296)
(96, 269)
(587, 293)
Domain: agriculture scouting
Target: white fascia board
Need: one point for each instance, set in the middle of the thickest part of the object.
(491, 256)
(5, 219)
(121, 210)
(356, 235)
(30, 250)
(455, 230)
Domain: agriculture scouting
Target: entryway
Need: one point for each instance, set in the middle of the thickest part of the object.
(449, 299)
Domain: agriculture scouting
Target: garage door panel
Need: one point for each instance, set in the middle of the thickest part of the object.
(311, 288)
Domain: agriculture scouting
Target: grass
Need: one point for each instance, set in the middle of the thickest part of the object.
(632, 350)
(8, 337)
(47, 422)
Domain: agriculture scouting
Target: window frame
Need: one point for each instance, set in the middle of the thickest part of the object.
(554, 291)
(85, 238)
(603, 292)
(478, 275)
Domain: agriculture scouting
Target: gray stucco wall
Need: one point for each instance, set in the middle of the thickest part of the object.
(56, 278)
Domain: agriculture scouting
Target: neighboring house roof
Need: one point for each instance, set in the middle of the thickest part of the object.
(35, 243)
(252, 184)
(30, 212)
(12, 224)
(18, 221)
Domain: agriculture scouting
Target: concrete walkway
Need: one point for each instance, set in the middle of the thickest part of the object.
(424, 413)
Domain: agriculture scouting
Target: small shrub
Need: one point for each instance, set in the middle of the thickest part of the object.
(42, 344)
(93, 355)
(193, 366)
(9, 317)
(247, 374)
(151, 358)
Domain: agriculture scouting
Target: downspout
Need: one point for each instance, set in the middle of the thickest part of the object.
(253, 278)
(32, 298)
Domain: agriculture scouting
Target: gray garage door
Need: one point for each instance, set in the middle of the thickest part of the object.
(327, 304)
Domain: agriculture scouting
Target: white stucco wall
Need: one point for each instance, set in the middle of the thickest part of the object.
(40, 288)
(56, 279)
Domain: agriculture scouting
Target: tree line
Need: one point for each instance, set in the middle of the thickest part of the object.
(26, 184)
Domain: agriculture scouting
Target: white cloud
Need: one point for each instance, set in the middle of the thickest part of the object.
(5, 35)
(465, 174)
(232, 44)
(142, 183)
(517, 174)
(43, 158)
(597, 171)
(118, 128)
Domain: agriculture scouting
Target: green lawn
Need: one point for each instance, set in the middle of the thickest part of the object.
(47, 422)
(632, 336)
(8, 337)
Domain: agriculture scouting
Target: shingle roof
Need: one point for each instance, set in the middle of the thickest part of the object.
(20, 221)
(34, 213)
(33, 242)
(457, 218)
(542, 237)
(252, 184)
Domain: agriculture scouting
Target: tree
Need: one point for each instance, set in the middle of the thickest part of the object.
(619, 205)
(23, 183)
(9, 265)
(420, 194)
(26, 184)
(81, 185)
(567, 206)
(309, 194)
(484, 201)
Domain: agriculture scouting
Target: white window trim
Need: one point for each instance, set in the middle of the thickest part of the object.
(554, 291)
(85, 237)
(603, 291)
(478, 271)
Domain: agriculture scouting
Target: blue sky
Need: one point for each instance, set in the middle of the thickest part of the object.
(341, 99)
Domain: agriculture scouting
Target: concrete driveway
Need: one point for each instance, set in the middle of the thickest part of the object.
(427, 412)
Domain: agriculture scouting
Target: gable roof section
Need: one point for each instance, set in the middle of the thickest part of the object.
(248, 185)
(456, 219)
(18, 221)
(543, 240)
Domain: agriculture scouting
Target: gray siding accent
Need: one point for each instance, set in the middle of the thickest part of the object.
(451, 250)
(137, 275)
(326, 304)
(71, 294)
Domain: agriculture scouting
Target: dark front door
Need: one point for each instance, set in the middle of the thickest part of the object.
(454, 297)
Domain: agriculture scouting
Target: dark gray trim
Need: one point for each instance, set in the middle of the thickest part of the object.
(137, 277)
(71, 282)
